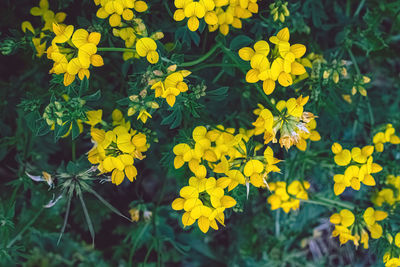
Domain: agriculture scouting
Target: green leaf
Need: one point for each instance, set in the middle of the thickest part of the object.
(218, 94)
(84, 86)
(75, 130)
(93, 97)
(71, 167)
(174, 119)
(239, 42)
(60, 131)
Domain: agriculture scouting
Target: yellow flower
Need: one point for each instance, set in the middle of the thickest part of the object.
(281, 199)
(361, 155)
(26, 25)
(345, 217)
(146, 47)
(343, 158)
(63, 33)
(94, 117)
(371, 216)
(116, 150)
(134, 215)
(143, 115)
(194, 11)
(41, 9)
(253, 170)
(196, 206)
(388, 136)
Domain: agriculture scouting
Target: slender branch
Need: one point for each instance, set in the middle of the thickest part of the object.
(353, 59)
(337, 203)
(115, 49)
(201, 59)
(227, 52)
(360, 6)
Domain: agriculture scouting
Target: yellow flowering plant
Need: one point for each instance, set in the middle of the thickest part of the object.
(279, 64)
(182, 117)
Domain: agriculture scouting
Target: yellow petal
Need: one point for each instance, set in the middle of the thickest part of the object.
(298, 50)
(343, 158)
(131, 172)
(335, 218)
(380, 215)
(187, 220)
(347, 217)
(285, 79)
(152, 57)
(336, 148)
(246, 53)
(80, 37)
(140, 6)
(228, 202)
(114, 20)
(204, 224)
(117, 177)
(252, 76)
(369, 216)
(177, 204)
(144, 45)
(253, 166)
(193, 23)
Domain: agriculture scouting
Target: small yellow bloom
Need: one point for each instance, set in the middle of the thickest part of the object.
(146, 47)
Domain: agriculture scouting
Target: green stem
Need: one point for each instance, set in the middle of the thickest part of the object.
(360, 6)
(353, 59)
(348, 6)
(115, 49)
(336, 203)
(316, 202)
(277, 225)
(25, 228)
(201, 59)
(228, 53)
(168, 9)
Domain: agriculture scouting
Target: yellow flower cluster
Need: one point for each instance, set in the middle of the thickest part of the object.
(359, 84)
(133, 31)
(141, 106)
(132, 34)
(309, 134)
(389, 194)
(347, 227)
(295, 125)
(338, 69)
(115, 150)
(392, 257)
(225, 154)
(116, 10)
(217, 14)
(387, 136)
(286, 196)
(279, 10)
(360, 170)
(81, 43)
(49, 17)
(281, 64)
(171, 86)
(204, 200)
